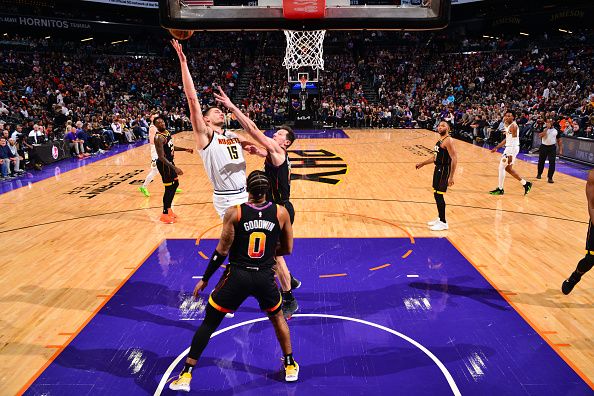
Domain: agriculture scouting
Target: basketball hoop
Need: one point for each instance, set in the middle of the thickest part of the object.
(305, 48)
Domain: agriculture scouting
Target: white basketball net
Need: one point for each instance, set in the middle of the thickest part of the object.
(304, 48)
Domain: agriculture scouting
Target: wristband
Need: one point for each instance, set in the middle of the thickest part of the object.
(216, 260)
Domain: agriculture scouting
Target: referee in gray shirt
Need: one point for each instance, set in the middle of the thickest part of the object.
(548, 149)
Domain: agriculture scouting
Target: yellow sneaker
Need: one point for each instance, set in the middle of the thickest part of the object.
(182, 383)
(291, 372)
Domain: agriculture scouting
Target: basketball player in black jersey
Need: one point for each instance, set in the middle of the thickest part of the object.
(278, 169)
(586, 263)
(169, 172)
(253, 234)
(445, 159)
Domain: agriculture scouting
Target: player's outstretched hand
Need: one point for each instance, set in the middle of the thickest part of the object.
(419, 165)
(251, 149)
(190, 150)
(180, 51)
(178, 171)
(494, 149)
(199, 287)
(221, 97)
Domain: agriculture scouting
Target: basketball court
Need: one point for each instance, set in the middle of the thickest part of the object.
(385, 303)
(96, 292)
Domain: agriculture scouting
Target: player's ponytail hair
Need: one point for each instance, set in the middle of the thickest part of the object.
(257, 184)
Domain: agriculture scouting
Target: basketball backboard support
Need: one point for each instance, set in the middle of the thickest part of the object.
(337, 15)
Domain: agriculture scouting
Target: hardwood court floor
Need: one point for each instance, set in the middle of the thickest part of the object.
(71, 241)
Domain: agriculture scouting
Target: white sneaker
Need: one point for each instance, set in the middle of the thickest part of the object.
(433, 222)
(229, 315)
(439, 226)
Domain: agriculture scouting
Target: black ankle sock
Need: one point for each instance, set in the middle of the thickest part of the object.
(289, 359)
(288, 296)
(187, 368)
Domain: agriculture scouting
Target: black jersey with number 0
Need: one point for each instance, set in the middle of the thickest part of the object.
(256, 236)
(280, 180)
(442, 156)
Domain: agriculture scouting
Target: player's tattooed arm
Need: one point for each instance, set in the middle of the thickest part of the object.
(159, 143)
(189, 150)
(228, 233)
(454, 156)
(285, 246)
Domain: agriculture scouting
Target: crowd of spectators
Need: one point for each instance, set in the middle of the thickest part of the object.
(91, 98)
(92, 101)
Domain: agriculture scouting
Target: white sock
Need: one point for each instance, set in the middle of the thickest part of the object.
(501, 174)
(523, 182)
(150, 177)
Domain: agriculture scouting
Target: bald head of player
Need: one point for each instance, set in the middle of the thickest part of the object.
(284, 136)
(257, 186)
(214, 116)
(443, 128)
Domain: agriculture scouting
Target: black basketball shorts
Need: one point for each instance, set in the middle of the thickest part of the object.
(237, 284)
(441, 174)
(167, 174)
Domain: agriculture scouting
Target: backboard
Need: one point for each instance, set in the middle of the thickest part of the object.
(304, 14)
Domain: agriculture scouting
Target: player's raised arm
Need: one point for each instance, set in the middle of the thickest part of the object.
(198, 124)
(248, 125)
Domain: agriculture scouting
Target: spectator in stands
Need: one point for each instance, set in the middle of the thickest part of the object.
(76, 145)
(36, 136)
(7, 159)
(15, 157)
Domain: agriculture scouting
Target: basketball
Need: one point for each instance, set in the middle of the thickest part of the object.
(181, 34)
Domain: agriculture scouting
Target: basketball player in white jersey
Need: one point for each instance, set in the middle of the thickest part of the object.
(154, 171)
(512, 148)
(221, 150)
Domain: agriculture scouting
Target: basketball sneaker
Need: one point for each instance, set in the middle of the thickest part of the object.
(433, 222)
(292, 372)
(179, 191)
(527, 187)
(498, 191)
(182, 383)
(170, 213)
(569, 284)
(289, 308)
(144, 190)
(439, 226)
(165, 218)
(295, 283)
